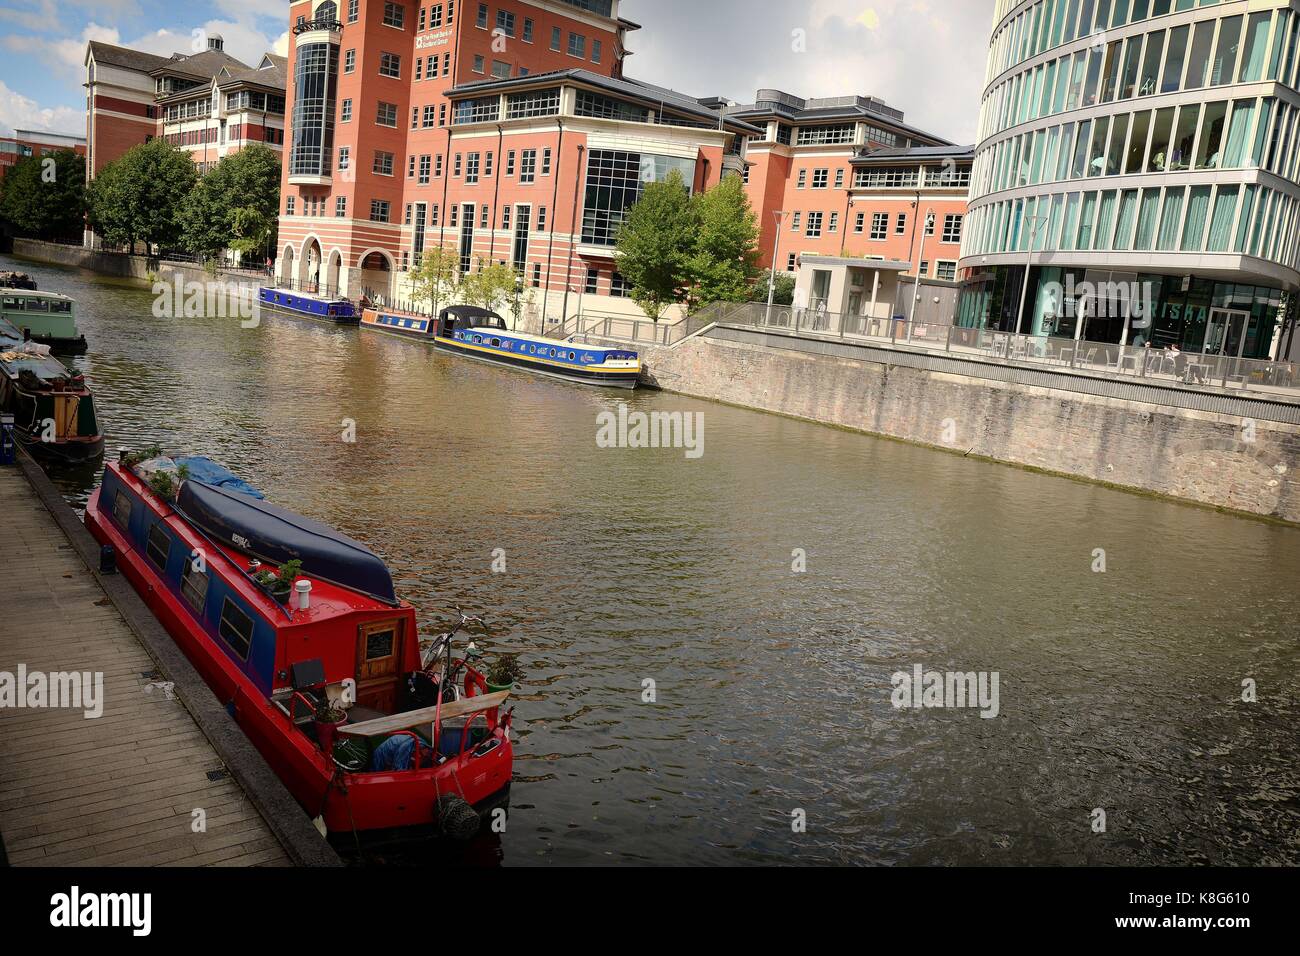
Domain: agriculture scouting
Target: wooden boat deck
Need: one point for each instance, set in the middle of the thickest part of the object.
(119, 790)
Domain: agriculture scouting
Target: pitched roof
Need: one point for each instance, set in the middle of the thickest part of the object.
(201, 66)
(271, 72)
(124, 57)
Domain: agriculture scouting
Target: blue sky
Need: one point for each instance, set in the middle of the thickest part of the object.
(43, 45)
(925, 57)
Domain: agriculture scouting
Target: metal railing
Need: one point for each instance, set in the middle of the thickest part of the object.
(308, 288)
(634, 330)
(1156, 365)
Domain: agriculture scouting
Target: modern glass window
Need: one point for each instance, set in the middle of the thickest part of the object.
(1180, 157)
(1175, 60)
(615, 180)
(1198, 57)
(1148, 216)
(1135, 158)
(1171, 218)
(1155, 51)
(1127, 217)
(534, 103)
(315, 86)
(1198, 210)
(1252, 59)
(1225, 52)
(1161, 134)
(1209, 153)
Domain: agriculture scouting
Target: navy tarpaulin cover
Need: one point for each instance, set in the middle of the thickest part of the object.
(271, 533)
(214, 473)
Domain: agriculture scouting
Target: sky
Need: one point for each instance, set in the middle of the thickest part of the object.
(925, 57)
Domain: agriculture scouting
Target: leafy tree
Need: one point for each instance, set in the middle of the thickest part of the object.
(785, 283)
(723, 261)
(435, 278)
(235, 205)
(492, 287)
(44, 196)
(654, 245)
(140, 195)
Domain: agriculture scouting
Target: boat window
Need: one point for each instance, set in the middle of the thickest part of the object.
(532, 349)
(236, 628)
(60, 305)
(122, 509)
(478, 338)
(379, 644)
(158, 546)
(496, 343)
(552, 353)
(38, 305)
(194, 587)
(13, 303)
(572, 356)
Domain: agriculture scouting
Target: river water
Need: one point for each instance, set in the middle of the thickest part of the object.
(1119, 691)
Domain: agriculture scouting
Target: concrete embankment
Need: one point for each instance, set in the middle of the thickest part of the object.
(1224, 450)
(162, 775)
(144, 268)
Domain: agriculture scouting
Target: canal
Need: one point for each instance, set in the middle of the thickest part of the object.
(1119, 691)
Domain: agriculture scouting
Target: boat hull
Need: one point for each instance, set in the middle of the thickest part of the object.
(65, 451)
(367, 802)
(617, 379)
(304, 306)
(61, 346)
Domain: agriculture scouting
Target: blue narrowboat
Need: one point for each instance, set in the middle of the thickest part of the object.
(481, 334)
(305, 305)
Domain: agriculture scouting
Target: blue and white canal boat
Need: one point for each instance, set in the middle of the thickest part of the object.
(306, 305)
(481, 334)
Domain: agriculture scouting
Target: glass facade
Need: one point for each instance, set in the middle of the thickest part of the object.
(315, 87)
(615, 181)
(1139, 138)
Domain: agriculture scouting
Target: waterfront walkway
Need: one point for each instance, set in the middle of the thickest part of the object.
(121, 789)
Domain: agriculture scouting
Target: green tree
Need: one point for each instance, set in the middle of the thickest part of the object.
(140, 196)
(435, 277)
(235, 205)
(785, 283)
(723, 261)
(654, 245)
(45, 196)
(492, 286)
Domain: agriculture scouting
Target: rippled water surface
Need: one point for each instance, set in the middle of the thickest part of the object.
(1119, 690)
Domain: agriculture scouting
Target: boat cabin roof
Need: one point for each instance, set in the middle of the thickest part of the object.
(19, 297)
(328, 601)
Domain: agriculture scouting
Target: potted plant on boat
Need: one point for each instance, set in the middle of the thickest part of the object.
(504, 673)
(279, 584)
(329, 718)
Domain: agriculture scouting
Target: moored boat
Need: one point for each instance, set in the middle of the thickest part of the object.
(306, 305)
(49, 317)
(481, 334)
(297, 628)
(407, 324)
(54, 411)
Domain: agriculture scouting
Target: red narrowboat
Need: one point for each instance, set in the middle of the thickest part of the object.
(371, 732)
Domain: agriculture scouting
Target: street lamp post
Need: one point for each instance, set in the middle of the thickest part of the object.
(1034, 223)
(920, 259)
(779, 215)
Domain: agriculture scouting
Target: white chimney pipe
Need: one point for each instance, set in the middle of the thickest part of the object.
(303, 587)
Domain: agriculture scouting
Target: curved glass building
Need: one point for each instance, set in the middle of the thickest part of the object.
(1138, 159)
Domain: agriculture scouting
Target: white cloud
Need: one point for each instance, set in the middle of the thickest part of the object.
(19, 112)
(925, 57)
